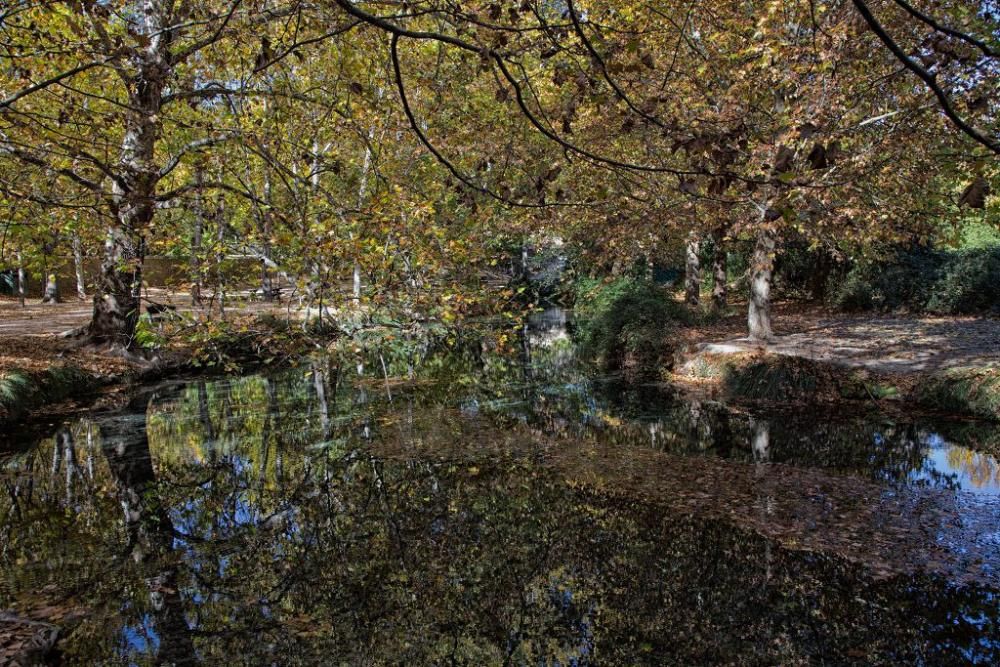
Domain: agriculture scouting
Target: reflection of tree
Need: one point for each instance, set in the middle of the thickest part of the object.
(337, 525)
(981, 469)
(150, 531)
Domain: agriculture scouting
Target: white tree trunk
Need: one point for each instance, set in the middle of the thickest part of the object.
(22, 279)
(692, 270)
(761, 267)
(81, 285)
(720, 270)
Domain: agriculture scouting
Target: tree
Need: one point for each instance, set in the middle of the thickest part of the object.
(107, 98)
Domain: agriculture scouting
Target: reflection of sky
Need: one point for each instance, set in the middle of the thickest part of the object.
(141, 640)
(973, 471)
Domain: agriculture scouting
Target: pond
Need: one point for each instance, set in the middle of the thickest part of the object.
(499, 507)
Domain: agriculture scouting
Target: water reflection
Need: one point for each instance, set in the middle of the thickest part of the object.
(501, 508)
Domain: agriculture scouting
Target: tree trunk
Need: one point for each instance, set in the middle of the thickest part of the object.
(692, 271)
(719, 270)
(81, 285)
(266, 283)
(22, 279)
(51, 295)
(116, 299)
(761, 265)
(197, 242)
(220, 255)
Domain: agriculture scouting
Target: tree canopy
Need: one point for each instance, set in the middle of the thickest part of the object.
(407, 142)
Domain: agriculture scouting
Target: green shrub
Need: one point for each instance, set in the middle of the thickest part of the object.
(973, 391)
(944, 282)
(969, 282)
(16, 388)
(853, 293)
(627, 324)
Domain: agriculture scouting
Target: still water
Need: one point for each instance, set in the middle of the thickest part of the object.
(498, 507)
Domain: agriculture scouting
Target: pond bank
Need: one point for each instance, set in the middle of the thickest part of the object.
(45, 375)
(939, 364)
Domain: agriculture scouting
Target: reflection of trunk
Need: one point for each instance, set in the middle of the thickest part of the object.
(65, 442)
(125, 444)
(319, 383)
(271, 425)
(81, 286)
(761, 265)
(274, 417)
(692, 270)
(760, 445)
(204, 415)
(719, 269)
(760, 440)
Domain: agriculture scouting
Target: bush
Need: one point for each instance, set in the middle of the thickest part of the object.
(969, 282)
(627, 324)
(922, 281)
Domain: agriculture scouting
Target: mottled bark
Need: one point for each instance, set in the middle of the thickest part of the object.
(720, 270)
(761, 269)
(692, 270)
(116, 301)
(81, 284)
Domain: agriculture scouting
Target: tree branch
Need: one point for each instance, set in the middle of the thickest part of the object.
(926, 77)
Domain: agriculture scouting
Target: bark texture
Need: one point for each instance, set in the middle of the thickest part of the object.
(692, 271)
(720, 270)
(761, 269)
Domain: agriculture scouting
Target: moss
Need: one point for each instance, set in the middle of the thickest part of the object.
(23, 391)
(972, 391)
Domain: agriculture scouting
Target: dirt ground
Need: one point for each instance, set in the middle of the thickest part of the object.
(30, 336)
(885, 345)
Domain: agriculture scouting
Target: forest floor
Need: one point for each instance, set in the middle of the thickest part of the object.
(889, 345)
(29, 337)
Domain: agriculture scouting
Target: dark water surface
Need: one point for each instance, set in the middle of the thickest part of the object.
(499, 509)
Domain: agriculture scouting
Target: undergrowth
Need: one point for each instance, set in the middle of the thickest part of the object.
(626, 324)
(973, 391)
(772, 378)
(22, 391)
